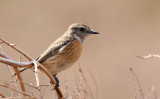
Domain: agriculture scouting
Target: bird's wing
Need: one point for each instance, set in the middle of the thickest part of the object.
(53, 51)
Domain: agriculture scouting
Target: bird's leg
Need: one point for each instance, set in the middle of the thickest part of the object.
(57, 84)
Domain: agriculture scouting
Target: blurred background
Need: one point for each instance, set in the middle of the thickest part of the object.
(127, 28)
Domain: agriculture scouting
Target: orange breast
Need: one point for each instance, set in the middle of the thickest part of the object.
(73, 51)
(69, 55)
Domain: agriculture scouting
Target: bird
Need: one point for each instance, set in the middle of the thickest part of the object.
(66, 50)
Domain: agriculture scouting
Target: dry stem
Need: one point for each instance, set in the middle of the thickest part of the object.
(2, 96)
(37, 78)
(23, 93)
(17, 49)
(138, 82)
(4, 59)
(148, 56)
(58, 91)
(18, 75)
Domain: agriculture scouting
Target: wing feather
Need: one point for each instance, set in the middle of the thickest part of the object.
(52, 51)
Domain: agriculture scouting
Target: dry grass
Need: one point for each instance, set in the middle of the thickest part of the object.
(138, 91)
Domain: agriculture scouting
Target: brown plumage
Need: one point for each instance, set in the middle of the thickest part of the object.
(66, 50)
(64, 59)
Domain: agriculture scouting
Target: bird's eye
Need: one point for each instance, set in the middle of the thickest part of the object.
(82, 29)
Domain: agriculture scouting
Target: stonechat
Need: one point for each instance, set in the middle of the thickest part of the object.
(66, 50)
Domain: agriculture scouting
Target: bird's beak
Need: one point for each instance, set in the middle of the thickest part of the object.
(93, 32)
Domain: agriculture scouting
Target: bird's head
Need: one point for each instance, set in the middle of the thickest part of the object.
(80, 31)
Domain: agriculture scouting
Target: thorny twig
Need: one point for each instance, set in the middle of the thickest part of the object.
(10, 71)
(18, 75)
(17, 49)
(23, 93)
(4, 59)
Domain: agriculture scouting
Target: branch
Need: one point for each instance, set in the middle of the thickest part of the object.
(15, 64)
(2, 96)
(9, 68)
(148, 56)
(18, 74)
(58, 91)
(27, 64)
(2, 85)
(30, 85)
(15, 48)
(4, 56)
(37, 78)
(20, 79)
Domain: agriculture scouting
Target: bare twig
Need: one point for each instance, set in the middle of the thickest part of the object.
(16, 64)
(37, 78)
(23, 93)
(17, 49)
(4, 56)
(27, 64)
(2, 96)
(10, 71)
(148, 56)
(36, 73)
(20, 79)
(18, 75)
(58, 91)
(30, 85)
(138, 82)
(46, 85)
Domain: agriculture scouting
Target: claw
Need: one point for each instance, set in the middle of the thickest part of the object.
(57, 84)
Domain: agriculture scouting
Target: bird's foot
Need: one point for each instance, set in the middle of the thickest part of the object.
(57, 82)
